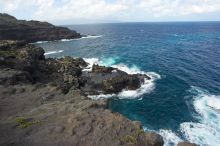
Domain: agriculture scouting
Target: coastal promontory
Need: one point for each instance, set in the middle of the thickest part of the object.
(32, 31)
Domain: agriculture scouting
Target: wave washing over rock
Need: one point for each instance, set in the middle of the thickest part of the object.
(146, 87)
(205, 132)
(49, 103)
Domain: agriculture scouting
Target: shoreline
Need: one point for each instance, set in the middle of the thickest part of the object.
(44, 101)
(39, 106)
(44, 113)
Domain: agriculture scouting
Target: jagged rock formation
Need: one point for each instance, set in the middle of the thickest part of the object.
(32, 31)
(108, 80)
(43, 102)
(66, 73)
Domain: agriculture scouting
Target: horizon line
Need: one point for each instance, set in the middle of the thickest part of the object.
(180, 21)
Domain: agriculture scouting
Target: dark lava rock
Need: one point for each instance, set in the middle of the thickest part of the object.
(19, 55)
(32, 31)
(101, 69)
(152, 139)
(185, 143)
(66, 73)
(107, 80)
(12, 77)
(116, 84)
(62, 118)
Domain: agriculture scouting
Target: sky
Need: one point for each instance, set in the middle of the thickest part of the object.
(109, 11)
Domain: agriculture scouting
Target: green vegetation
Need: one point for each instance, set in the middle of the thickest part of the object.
(129, 139)
(7, 53)
(24, 123)
(132, 139)
(139, 132)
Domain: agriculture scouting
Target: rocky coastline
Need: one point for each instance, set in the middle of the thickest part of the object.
(43, 101)
(32, 31)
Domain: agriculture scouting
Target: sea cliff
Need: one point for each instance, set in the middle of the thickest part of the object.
(32, 31)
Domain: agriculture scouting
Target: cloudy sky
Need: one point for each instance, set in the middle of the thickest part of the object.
(104, 11)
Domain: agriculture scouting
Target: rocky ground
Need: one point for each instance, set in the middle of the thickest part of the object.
(32, 31)
(44, 101)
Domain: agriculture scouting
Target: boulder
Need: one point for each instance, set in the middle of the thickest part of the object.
(151, 138)
(118, 83)
(67, 65)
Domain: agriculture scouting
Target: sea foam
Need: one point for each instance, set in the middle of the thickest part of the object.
(170, 138)
(146, 87)
(68, 40)
(53, 52)
(207, 130)
(84, 37)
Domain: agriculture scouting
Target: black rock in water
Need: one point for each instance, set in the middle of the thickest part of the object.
(32, 31)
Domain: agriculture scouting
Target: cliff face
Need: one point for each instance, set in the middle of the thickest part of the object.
(32, 31)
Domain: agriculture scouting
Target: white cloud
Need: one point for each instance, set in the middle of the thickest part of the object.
(53, 10)
(85, 9)
(12, 5)
(179, 7)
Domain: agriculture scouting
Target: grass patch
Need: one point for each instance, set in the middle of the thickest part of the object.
(8, 53)
(24, 123)
(132, 139)
(139, 132)
(129, 139)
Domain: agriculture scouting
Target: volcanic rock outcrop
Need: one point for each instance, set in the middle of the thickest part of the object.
(32, 31)
(43, 101)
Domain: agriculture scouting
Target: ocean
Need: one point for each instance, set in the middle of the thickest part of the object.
(182, 100)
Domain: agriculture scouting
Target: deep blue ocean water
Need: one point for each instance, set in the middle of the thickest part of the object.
(184, 103)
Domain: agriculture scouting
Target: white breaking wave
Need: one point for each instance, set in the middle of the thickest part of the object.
(207, 131)
(90, 61)
(169, 137)
(40, 42)
(84, 37)
(68, 40)
(92, 36)
(146, 87)
(53, 52)
(101, 96)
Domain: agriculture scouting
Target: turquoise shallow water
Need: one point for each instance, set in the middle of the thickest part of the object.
(183, 102)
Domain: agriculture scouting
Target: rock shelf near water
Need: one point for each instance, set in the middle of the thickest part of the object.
(43, 101)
